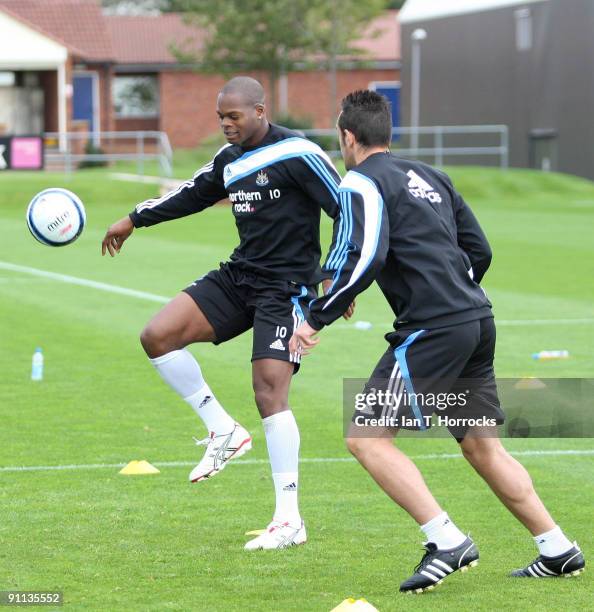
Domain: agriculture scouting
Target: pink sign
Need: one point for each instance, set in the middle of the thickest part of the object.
(26, 153)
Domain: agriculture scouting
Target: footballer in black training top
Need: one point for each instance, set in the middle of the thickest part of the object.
(277, 183)
(404, 225)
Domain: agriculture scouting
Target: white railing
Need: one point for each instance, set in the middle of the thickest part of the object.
(70, 154)
(438, 148)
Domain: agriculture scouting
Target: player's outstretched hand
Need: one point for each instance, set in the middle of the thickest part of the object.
(302, 341)
(326, 284)
(116, 235)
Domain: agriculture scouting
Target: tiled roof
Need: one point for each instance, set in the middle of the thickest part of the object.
(147, 39)
(78, 24)
(142, 39)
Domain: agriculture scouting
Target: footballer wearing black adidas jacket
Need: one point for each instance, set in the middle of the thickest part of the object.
(403, 224)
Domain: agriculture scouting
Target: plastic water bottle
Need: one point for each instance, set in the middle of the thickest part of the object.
(37, 365)
(551, 355)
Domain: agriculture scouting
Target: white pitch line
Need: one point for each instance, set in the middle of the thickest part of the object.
(135, 178)
(99, 466)
(73, 280)
(512, 322)
(498, 322)
(167, 183)
(152, 297)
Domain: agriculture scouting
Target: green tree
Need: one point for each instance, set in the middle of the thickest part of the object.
(274, 36)
(337, 24)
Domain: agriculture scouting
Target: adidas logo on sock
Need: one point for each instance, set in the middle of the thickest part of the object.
(205, 401)
(278, 345)
(291, 487)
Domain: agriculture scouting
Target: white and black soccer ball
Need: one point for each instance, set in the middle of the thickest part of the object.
(56, 217)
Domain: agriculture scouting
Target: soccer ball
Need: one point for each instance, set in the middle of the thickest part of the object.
(56, 217)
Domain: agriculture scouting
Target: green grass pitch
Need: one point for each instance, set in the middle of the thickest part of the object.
(114, 543)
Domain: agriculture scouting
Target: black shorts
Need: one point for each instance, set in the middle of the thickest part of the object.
(446, 372)
(234, 301)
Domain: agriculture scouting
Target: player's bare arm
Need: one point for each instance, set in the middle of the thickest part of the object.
(116, 235)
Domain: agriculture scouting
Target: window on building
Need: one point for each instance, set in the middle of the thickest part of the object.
(523, 29)
(136, 96)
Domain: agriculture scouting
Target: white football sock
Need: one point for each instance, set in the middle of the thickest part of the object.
(552, 543)
(442, 532)
(182, 373)
(282, 438)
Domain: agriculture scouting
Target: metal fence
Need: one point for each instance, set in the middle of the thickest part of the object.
(70, 149)
(437, 142)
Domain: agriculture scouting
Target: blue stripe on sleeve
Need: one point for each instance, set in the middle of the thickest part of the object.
(345, 251)
(337, 251)
(323, 173)
(323, 168)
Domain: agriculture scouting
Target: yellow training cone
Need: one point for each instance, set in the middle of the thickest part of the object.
(354, 605)
(138, 468)
(256, 532)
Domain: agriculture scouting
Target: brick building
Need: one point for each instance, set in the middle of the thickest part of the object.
(67, 66)
(184, 98)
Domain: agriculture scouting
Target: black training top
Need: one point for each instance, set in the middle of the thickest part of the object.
(276, 190)
(403, 224)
